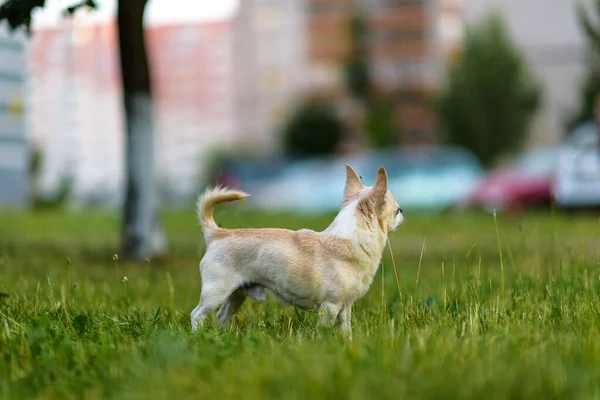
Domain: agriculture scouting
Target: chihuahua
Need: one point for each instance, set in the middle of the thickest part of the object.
(316, 271)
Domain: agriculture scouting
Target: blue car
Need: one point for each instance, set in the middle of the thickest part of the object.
(420, 178)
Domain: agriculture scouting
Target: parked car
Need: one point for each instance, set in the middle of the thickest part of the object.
(425, 177)
(314, 185)
(435, 178)
(577, 180)
(525, 183)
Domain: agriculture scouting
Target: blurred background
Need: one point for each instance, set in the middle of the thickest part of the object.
(469, 104)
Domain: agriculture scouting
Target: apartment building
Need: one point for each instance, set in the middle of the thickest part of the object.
(76, 106)
(407, 42)
(193, 83)
(271, 69)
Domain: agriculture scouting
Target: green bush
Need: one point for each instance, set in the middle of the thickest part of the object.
(590, 89)
(380, 125)
(314, 130)
(490, 96)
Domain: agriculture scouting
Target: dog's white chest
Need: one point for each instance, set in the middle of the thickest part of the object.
(357, 285)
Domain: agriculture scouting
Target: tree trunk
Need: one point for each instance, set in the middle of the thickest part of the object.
(141, 234)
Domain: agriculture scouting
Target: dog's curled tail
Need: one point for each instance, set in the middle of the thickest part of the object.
(208, 201)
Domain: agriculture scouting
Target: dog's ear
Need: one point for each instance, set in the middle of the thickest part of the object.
(379, 190)
(353, 183)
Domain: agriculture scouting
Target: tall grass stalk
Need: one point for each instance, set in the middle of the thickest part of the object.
(419, 269)
(395, 271)
(501, 258)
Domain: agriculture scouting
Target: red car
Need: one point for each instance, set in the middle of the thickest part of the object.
(526, 183)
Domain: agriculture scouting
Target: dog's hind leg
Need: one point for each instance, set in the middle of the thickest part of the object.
(211, 298)
(233, 303)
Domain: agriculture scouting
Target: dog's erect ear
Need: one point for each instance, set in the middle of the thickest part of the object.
(379, 190)
(353, 183)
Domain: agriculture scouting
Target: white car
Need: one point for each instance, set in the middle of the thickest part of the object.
(577, 180)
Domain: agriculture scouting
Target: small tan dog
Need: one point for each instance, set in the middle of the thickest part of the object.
(325, 271)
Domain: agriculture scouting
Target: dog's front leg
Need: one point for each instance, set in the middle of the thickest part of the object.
(328, 313)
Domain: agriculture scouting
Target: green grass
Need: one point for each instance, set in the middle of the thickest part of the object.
(78, 331)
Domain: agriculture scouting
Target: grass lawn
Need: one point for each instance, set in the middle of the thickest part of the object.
(478, 310)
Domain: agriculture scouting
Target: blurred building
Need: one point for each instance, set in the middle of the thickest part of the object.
(270, 67)
(407, 42)
(410, 42)
(216, 84)
(75, 114)
(76, 111)
(14, 147)
(555, 48)
(193, 81)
